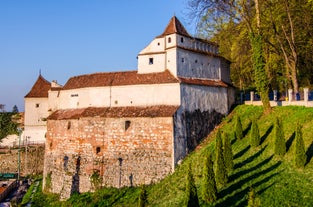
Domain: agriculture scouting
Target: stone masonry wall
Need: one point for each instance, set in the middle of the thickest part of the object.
(117, 151)
(34, 160)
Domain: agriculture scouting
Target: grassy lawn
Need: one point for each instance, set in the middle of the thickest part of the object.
(276, 181)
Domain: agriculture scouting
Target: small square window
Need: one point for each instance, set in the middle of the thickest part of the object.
(37, 105)
(150, 61)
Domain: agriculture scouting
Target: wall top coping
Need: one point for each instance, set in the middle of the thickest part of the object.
(115, 112)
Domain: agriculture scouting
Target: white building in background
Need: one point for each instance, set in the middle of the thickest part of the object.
(37, 110)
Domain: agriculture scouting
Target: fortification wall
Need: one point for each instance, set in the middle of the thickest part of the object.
(111, 151)
(32, 163)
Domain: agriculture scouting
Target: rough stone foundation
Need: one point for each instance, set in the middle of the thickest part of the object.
(120, 151)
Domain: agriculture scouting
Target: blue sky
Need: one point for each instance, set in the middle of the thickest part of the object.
(64, 38)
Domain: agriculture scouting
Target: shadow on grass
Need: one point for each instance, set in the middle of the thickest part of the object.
(289, 141)
(250, 159)
(267, 133)
(309, 153)
(241, 153)
(246, 131)
(243, 172)
(241, 194)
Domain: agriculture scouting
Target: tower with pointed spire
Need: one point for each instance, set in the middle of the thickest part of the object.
(183, 55)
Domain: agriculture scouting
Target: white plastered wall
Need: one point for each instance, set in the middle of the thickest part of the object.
(36, 112)
(117, 96)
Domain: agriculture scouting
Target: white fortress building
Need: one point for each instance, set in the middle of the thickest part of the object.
(125, 120)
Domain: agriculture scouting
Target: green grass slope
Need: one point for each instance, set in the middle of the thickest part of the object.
(276, 181)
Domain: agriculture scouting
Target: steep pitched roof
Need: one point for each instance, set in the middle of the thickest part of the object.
(115, 112)
(118, 79)
(40, 88)
(175, 27)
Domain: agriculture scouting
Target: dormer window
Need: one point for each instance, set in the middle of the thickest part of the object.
(169, 40)
(150, 61)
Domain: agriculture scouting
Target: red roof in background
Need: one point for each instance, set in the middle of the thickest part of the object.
(119, 79)
(115, 112)
(175, 27)
(40, 89)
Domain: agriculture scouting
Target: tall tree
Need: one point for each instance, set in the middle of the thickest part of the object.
(221, 12)
(209, 190)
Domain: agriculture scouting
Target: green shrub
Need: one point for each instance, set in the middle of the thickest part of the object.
(142, 201)
(253, 200)
(209, 190)
(279, 144)
(255, 138)
(238, 128)
(299, 153)
(220, 168)
(191, 191)
(227, 153)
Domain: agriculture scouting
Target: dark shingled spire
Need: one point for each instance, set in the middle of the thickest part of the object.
(175, 27)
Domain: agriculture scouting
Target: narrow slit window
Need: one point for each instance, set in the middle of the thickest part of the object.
(181, 39)
(127, 124)
(98, 150)
(169, 40)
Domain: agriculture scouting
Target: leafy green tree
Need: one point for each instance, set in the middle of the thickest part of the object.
(299, 153)
(228, 153)
(220, 168)
(142, 201)
(279, 144)
(7, 125)
(209, 189)
(192, 199)
(238, 128)
(255, 138)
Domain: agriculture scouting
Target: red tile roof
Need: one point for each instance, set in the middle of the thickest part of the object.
(203, 82)
(40, 89)
(175, 27)
(118, 79)
(115, 112)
